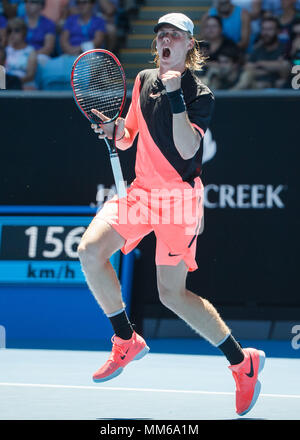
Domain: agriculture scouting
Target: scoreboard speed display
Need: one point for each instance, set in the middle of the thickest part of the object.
(42, 249)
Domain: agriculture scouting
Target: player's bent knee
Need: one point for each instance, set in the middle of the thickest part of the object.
(170, 296)
(98, 244)
(90, 253)
(86, 252)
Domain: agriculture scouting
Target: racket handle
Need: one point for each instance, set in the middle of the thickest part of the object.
(118, 175)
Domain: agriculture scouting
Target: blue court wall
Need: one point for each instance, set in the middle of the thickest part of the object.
(53, 315)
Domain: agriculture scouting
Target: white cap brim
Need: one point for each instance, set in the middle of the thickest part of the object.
(178, 20)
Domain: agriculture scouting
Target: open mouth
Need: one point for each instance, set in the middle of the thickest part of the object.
(166, 52)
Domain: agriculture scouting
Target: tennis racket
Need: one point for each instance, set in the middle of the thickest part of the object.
(98, 82)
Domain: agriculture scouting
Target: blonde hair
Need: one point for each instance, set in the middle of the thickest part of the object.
(195, 59)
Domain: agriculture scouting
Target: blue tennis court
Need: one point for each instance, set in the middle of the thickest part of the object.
(192, 384)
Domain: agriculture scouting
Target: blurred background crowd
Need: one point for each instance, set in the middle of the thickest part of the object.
(249, 44)
(39, 39)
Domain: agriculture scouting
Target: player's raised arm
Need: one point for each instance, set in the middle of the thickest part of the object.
(186, 138)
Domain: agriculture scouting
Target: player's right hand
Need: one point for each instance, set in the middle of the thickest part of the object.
(106, 130)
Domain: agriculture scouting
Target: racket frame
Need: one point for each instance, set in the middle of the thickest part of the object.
(113, 154)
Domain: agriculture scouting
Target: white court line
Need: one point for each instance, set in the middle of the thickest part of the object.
(145, 390)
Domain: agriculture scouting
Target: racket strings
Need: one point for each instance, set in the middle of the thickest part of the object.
(99, 83)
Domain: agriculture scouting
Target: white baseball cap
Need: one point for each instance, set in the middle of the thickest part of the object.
(178, 20)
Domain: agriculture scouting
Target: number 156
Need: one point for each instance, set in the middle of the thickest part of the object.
(59, 244)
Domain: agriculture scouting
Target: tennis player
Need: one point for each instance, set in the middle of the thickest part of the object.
(170, 111)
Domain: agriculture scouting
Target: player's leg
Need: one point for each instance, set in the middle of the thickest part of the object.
(202, 316)
(98, 244)
(175, 255)
(113, 229)
(196, 311)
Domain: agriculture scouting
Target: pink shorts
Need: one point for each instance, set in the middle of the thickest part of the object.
(175, 216)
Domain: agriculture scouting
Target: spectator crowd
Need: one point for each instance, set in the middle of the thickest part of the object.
(249, 44)
(40, 39)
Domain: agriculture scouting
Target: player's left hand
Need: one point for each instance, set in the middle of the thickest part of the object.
(171, 80)
(106, 130)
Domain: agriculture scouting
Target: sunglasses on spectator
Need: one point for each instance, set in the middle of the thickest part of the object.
(17, 30)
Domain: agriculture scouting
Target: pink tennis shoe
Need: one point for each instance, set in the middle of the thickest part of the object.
(245, 375)
(123, 352)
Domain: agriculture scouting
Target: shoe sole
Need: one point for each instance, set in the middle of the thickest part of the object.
(116, 373)
(262, 358)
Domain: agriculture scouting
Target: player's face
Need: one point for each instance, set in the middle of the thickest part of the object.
(172, 45)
